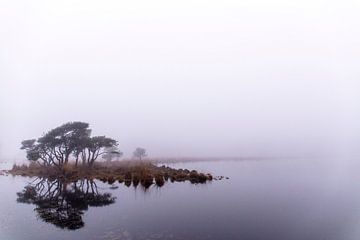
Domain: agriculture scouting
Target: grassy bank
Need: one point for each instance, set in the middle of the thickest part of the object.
(134, 172)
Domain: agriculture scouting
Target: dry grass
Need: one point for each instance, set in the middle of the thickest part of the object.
(134, 172)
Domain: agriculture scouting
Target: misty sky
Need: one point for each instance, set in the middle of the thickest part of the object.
(184, 78)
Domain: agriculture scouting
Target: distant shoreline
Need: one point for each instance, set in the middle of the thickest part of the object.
(164, 160)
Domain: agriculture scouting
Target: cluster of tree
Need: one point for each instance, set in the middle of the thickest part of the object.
(73, 140)
(113, 153)
(70, 140)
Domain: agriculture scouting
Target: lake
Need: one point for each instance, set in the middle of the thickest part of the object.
(266, 199)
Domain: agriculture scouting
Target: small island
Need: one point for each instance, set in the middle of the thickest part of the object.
(70, 153)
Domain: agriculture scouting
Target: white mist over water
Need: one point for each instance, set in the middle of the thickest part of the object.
(192, 78)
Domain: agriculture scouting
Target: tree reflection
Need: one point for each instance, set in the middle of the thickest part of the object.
(61, 203)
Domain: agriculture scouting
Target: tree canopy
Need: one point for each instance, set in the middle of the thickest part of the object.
(70, 139)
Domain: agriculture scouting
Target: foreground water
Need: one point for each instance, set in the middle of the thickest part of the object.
(272, 199)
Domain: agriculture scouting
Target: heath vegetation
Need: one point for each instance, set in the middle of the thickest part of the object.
(70, 153)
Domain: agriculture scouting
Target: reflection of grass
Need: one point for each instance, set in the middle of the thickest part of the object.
(135, 172)
(159, 180)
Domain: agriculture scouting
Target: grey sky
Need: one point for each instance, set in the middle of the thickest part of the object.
(184, 78)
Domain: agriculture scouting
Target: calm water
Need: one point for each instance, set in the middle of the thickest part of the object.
(277, 199)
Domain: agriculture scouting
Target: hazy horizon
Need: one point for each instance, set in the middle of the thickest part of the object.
(184, 79)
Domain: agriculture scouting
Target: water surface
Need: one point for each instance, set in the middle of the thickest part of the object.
(268, 199)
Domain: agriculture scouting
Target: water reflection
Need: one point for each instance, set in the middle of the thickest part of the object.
(63, 204)
(279, 199)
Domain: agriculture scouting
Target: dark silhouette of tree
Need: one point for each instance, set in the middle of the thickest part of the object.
(63, 204)
(140, 153)
(97, 146)
(70, 139)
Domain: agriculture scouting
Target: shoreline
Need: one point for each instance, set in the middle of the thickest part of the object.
(144, 173)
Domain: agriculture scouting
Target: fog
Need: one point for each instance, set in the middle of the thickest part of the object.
(188, 78)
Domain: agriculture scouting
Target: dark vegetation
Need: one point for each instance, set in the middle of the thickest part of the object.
(70, 140)
(70, 153)
(66, 163)
(134, 172)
